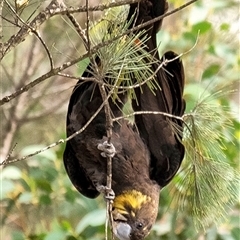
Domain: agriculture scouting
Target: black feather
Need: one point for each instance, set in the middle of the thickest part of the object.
(159, 132)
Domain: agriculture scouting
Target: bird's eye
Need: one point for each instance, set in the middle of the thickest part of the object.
(139, 225)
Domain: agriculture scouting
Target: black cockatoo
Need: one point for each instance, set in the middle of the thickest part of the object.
(145, 157)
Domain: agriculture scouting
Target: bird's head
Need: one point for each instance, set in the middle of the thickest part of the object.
(134, 214)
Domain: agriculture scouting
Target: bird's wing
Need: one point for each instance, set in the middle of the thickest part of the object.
(82, 159)
(161, 134)
(75, 121)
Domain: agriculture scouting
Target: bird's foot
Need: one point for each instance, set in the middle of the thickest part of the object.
(108, 150)
(108, 192)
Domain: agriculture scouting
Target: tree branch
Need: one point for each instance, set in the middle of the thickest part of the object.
(56, 7)
(56, 71)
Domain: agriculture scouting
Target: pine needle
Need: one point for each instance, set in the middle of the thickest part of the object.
(125, 60)
(207, 186)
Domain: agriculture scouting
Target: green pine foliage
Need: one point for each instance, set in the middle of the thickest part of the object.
(207, 184)
(130, 63)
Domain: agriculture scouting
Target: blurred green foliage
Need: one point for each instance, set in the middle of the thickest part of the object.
(38, 202)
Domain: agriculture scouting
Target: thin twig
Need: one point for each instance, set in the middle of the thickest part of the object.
(60, 141)
(10, 153)
(55, 71)
(16, 39)
(78, 29)
(15, 13)
(33, 30)
(108, 125)
(45, 47)
(88, 28)
(85, 79)
(147, 113)
(56, 8)
(136, 85)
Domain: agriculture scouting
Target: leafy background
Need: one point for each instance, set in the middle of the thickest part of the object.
(38, 202)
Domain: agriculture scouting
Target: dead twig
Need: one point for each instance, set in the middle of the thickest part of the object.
(56, 8)
(93, 50)
(60, 141)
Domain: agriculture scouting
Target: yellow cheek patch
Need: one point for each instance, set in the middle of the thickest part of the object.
(133, 199)
(122, 211)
